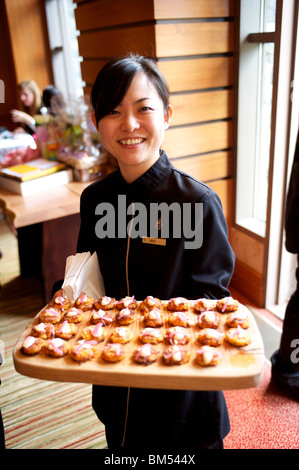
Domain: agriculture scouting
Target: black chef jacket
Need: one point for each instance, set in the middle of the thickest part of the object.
(145, 418)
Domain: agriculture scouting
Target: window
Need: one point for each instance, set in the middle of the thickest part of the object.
(255, 85)
(64, 47)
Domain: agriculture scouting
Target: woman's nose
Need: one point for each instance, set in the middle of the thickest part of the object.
(129, 122)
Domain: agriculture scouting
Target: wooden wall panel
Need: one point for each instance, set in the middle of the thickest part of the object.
(182, 75)
(224, 190)
(115, 42)
(190, 108)
(202, 138)
(105, 13)
(193, 8)
(187, 39)
(209, 167)
(250, 251)
(249, 282)
(90, 69)
(29, 41)
(8, 76)
(188, 74)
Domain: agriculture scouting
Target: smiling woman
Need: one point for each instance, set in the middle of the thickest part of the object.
(132, 125)
(131, 113)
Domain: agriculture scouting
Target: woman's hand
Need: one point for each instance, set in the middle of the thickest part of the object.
(20, 116)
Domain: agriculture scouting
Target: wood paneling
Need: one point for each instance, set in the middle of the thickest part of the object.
(105, 13)
(249, 283)
(202, 138)
(185, 39)
(8, 76)
(224, 190)
(181, 75)
(190, 108)
(115, 42)
(248, 250)
(29, 41)
(213, 166)
(193, 8)
(197, 73)
(193, 44)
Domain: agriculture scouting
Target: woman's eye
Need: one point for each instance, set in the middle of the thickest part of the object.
(145, 108)
(114, 111)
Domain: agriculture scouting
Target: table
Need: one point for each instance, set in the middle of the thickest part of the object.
(47, 227)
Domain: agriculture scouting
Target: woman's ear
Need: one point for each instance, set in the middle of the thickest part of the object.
(93, 118)
(168, 116)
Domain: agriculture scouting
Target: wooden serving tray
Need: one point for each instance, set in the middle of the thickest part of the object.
(240, 367)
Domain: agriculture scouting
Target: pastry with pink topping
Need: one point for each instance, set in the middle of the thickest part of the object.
(208, 319)
(125, 316)
(175, 355)
(239, 318)
(121, 334)
(149, 303)
(210, 337)
(83, 351)
(61, 303)
(50, 315)
(151, 335)
(101, 316)
(66, 330)
(177, 335)
(94, 332)
(153, 318)
(227, 304)
(74, 315)
(56, 347)
(146, 354)
(200, 305)
(105, 303)
(178, 304)
(84, 302)
(113, 352)
(207, 356)
(179, 319)
(43, 330)
(127, 302)
(237, 336)
(32, 345)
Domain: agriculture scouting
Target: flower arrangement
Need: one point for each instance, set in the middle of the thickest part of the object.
(70, 137)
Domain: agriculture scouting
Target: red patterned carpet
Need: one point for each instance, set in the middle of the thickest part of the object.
(262, 417)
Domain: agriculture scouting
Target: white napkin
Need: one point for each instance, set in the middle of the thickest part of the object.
(82, 274)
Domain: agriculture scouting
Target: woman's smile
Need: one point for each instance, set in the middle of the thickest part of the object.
(132, 141)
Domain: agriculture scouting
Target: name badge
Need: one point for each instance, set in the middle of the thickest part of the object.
(154, 241)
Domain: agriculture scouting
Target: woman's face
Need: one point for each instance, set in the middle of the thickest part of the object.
(27, 97)
(133, 132)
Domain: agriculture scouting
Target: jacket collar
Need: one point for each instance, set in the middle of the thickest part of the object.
(151, 178)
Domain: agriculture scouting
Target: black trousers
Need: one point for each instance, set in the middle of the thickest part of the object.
(285, 361)
(161, 420)
(2, 438)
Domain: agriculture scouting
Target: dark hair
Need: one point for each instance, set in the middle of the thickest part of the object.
(53, 99)
(115, 78)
